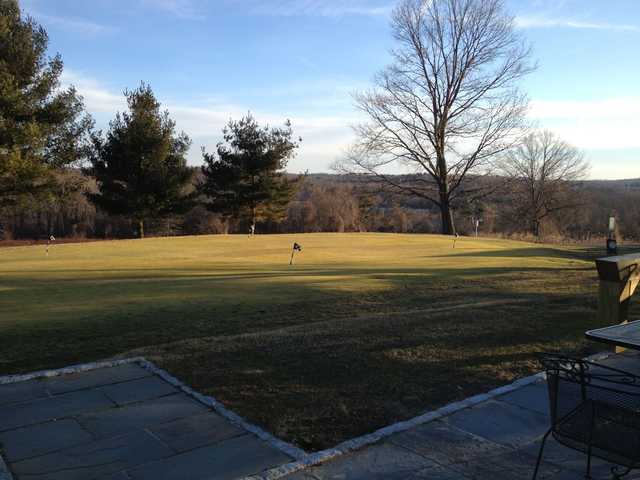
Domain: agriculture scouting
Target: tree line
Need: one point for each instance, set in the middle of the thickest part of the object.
(336, 203)
(448, 109)
(138, 166)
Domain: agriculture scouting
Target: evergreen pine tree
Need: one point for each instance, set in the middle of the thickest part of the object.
(246, 179)
(140, 165)
(42, 127)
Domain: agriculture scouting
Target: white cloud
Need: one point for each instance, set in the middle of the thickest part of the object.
(79, 25)
(323, 8)
(97, 98)
(608, 124)
(184, 9)
(549, 22)
(627, 108)
(324, 137)
(600, 135)
(602, 127)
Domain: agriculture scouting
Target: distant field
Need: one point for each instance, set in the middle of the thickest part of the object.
(364, 330)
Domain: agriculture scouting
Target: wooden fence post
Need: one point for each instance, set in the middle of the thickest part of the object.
(619, 278)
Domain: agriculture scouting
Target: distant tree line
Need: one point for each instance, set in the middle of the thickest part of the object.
(453, 112)
(334, 203)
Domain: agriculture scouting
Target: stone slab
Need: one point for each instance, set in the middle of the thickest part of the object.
(196, 431)
(146, 388)
(511, 465)
(21, 392)
(41, 439)
(95, 378)
(47, 409)
(95, 459)
(131, 417)
(377, 462)
(229, 460)
(435, 473)
(116, 476)
(446, 444)
(568, 458)
(501, 423)
(533, 397)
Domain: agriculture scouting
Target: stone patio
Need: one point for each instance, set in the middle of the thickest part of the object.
(133, 422)
(122, 422)
(497, 439)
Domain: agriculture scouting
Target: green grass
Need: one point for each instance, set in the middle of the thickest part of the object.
(364, 330)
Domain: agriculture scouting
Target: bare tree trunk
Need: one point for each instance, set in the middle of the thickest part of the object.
(141, 228)
(448, 226)
(535, 227)
(448, 105)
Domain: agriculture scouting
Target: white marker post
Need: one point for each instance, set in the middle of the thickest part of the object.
(476, 224)
(612, 241)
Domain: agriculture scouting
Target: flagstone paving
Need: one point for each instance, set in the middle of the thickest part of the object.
(121, 423)
(497, 439)
(126, 423)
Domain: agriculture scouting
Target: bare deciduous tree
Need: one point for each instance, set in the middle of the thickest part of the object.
(542, 167)
(447, 104)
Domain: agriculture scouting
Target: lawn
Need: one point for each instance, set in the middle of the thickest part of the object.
(364, 329)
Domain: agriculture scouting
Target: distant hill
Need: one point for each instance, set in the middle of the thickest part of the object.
(625, 184)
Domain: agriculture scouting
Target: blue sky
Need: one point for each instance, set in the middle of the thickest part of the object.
(210, 60)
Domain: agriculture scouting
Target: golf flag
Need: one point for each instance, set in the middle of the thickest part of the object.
(296, 248)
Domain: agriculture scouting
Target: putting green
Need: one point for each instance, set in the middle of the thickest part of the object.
(362, 330)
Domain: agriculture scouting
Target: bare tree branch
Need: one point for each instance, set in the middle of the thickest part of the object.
(449, 102)
(542, 168)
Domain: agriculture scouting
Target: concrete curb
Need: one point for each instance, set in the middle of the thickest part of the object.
(85, 367)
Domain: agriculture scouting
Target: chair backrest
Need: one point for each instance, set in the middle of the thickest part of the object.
(574, 381)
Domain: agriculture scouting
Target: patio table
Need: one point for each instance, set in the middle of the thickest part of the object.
(625, 335)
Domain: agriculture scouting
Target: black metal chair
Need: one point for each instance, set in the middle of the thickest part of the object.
(594, 409)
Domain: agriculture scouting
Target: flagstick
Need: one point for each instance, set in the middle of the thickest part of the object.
(49, 242)
(293, 251)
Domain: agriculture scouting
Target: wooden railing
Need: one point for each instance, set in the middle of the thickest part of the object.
(619, 278)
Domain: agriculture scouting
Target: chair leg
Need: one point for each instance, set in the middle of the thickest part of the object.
(588, 474)
(593, 413)
(544, 439)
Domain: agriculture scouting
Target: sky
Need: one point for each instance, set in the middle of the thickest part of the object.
(212, 60)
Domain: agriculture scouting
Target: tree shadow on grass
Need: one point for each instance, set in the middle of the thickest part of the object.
(527, 253)
(590, 253)
(312, 365)
(322, 383)
(196, 275)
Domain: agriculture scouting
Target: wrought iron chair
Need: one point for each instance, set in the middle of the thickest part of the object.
(594, 409)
